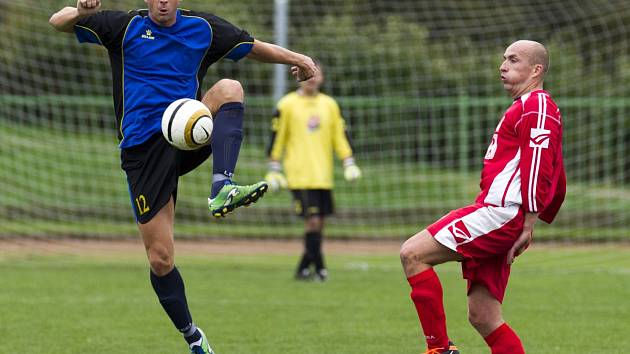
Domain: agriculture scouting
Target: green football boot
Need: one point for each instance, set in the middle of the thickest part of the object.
(201, 347)
(232, 196)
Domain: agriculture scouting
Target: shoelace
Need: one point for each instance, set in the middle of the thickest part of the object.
(434, 351)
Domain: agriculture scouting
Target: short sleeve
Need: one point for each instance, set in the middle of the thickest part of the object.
(228, 41)
(105, 28)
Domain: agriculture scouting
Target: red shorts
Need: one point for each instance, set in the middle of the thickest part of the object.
(483, 234)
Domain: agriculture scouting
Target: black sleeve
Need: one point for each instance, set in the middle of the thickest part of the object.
(106, 28)
(275, 121)
(345, 130)
(228, 40)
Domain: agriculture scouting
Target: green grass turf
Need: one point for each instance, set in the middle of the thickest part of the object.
(561, 299)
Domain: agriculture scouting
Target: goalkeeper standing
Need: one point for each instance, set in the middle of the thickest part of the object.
(157, 56)
(306, 128)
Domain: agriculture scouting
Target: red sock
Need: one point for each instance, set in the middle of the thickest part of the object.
(426, 293)
(504, 340)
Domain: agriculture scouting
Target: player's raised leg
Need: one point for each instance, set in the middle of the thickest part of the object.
(225, 100)
(484, 313)
(157, 235)
(418, 256)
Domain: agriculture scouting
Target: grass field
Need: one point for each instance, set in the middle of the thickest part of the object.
(561, 299)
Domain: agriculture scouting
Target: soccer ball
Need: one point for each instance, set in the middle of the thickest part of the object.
(187, 124)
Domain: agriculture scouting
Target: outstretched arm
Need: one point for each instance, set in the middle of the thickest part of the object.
(65, 19)
(303, 67)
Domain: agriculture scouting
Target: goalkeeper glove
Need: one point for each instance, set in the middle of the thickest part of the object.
(351, 171)
(274, 177)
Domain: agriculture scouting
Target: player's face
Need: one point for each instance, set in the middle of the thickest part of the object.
(516, 70)
(163, 12)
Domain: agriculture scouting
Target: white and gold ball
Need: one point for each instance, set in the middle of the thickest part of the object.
(187, 124)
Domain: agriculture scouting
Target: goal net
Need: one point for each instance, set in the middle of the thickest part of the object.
(418, 85)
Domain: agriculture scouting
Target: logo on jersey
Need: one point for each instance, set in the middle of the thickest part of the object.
(148, 35)
(492, 149)
(313, 123)
(460, 232)
(539, 138)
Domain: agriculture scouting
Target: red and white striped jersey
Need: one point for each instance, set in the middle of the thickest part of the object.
(523, 164)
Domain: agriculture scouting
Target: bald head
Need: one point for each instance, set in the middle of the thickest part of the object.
(524, 66)
(534, 52)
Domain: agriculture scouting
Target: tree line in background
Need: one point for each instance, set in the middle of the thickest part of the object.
(379, 47)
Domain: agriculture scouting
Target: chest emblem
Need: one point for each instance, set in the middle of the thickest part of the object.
(313, 123)
(148, 34)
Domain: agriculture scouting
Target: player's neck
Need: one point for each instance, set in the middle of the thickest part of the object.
(527, 89)
(303, 92)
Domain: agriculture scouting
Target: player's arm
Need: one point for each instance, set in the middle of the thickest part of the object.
(274, 176)
(65, 19)
(276, 140)
(342, 145)
(303, 67)
(539, 134)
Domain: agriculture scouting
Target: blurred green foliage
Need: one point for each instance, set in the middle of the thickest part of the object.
(378, 47)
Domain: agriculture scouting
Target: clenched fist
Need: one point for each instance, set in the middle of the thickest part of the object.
(88, 7)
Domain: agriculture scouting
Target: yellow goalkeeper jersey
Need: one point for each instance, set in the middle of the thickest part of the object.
(305, 132)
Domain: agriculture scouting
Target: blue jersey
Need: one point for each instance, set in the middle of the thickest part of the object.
(153, 65)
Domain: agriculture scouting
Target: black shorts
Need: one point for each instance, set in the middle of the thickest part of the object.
(153, 169)
(310, 202)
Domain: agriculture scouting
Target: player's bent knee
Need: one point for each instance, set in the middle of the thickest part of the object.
(161, 262)
(483, 321)
(413, 249)
(476, 318)
(406, 253)
(224, 91)
(227, 90)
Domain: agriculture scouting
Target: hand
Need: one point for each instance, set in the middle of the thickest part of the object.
(88, 7)
(305, 70)
(275, 178)
(521, 244)
(351, 172)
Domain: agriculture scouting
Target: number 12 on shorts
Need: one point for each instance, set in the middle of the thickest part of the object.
(142, 205)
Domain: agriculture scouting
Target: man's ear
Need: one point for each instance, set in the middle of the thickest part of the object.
(538, 71)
